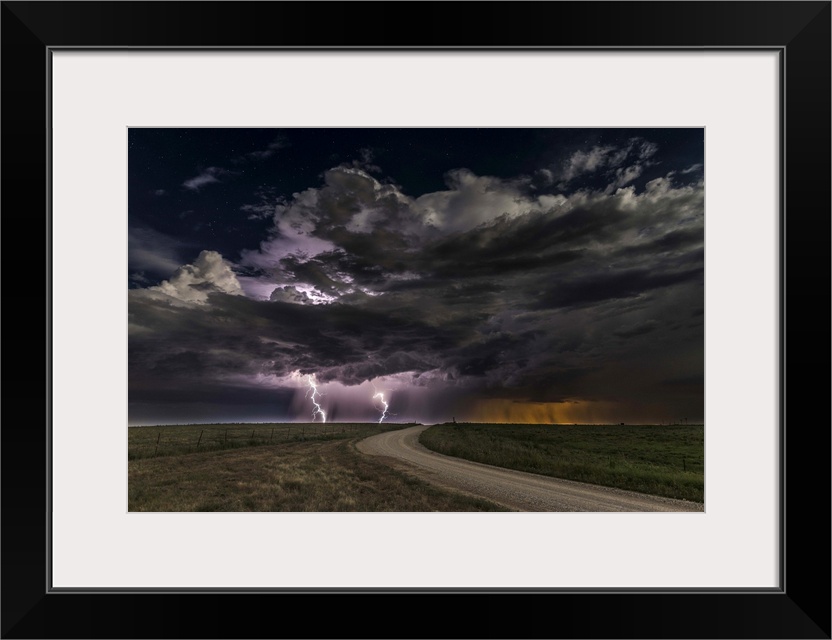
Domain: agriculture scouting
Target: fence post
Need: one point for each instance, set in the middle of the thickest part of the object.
(271, 436)
(200, 437)
(159, 437)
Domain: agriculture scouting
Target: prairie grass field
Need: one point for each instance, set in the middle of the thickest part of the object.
(280, 467)
(660, 460)
(175, 440)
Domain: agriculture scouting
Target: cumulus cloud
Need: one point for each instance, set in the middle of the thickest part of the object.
(624, 176)
(358, 237)
(472, 200)
(194, 282)
(288, 294)
(353, 210)
(582, 162)
(609, 159)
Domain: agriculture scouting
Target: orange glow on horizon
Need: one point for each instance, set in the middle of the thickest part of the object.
(510, 411)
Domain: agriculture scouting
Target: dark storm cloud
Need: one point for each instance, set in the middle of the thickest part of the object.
(356, 341)
(524, 242)
(238, 335)
(312, 272)
(554, 384)
(492, 287)
(610, 286)
(637, 330)
(211, 393)
(541, 233)
(684, 381)
(490, 352)
(677, 240)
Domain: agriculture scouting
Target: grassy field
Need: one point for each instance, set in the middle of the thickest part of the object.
(153, 442)
(665, 461)
(278, 468)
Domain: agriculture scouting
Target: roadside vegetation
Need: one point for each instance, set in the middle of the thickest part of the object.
(659, 460)
(280, 467)
(175, 440)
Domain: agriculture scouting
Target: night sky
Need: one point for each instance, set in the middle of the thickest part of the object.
(495, 275)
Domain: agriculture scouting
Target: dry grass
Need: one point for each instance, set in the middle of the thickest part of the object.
(153, 442)
(326, 474)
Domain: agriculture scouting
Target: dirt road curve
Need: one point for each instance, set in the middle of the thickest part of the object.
(513, 489)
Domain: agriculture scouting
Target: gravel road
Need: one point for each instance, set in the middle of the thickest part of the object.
(515, 490)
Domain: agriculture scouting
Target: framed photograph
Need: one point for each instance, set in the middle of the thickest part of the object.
(351, 300)
(697, 133)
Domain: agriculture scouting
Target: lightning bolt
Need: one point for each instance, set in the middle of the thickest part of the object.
(380, 396)
(313, 387)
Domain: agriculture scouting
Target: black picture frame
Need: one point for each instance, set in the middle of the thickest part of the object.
(799, 608)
